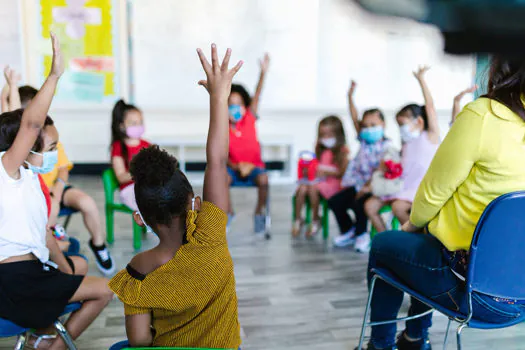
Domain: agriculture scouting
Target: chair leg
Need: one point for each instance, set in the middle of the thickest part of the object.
(137, 235)
(445, 342)
(326, 220)
(367, 311)
(66, 222)
(308, 217)
(61, 330)
(458, 334)
(110, 218)
(20, 342)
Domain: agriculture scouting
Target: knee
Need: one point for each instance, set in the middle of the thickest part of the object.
(371, 207)
(106, 294)
(262, 180)
(400, 208)
(86, 204)
(81, 266)
(302, 190)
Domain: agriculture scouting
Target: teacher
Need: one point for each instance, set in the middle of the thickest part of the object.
(482, 157)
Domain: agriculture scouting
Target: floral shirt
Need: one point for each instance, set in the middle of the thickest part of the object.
(367, 160)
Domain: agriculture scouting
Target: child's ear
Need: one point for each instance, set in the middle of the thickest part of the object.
(198, 203)
(138, 219)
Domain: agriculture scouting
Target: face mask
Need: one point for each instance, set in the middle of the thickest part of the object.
(49, 160)
(329, 142)
(135, 131)
(235, 112)
(372, 134)
(407, 134)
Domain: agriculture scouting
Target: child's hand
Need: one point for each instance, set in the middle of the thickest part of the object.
(245, 169)
(219, 77)
(351, 90)
(421, 72)
(11, 77)
(265, 63)
(57, 65)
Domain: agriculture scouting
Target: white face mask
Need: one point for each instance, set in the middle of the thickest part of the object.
(329, 142)
(407, 134)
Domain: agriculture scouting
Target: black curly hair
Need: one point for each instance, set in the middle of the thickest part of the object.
(162, 191)
(241, 90)
(9, 126)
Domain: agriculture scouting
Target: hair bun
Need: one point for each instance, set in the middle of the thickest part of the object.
(153, 166)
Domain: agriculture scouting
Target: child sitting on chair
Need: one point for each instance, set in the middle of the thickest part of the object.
(332, 155)
(182, 292)
(127, 129)
(63, 195)
(245, 165)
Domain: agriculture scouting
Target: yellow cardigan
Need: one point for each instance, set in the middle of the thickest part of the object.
(481, 158)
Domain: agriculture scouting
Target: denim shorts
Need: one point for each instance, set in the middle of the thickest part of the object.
(249, 180)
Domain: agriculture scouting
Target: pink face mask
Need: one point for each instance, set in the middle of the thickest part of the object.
(135, 132)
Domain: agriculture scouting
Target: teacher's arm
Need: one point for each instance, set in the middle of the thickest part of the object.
(450, 167)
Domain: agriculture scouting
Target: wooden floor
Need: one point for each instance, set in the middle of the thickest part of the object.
(293, 294)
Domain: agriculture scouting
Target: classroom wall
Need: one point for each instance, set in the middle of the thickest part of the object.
(347, 39)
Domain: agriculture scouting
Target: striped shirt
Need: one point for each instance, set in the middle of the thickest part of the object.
(192, 297)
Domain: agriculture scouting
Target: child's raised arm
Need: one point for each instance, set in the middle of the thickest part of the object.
(353, 109)
(34, 115)
(4, 97)
(218, 84)
(14, 96)
(265, 63)
(432, 119)
(456, 107)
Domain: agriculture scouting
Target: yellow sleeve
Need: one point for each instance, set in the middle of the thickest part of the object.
(209, 225)
(63, 160)
(133, 310)
(450, 167)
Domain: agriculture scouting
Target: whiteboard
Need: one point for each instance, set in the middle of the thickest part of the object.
(165, 36)
(10, 36)
(316, 47)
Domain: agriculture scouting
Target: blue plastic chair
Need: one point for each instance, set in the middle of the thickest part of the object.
(495, 267)
(9, 329)
(67, 212)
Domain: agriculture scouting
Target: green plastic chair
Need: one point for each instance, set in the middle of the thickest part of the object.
(110, 186)
(396, 225)
(325, 218)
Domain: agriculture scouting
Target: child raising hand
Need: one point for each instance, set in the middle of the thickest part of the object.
(191, 268)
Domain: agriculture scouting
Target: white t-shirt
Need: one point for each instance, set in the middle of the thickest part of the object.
(23, 215)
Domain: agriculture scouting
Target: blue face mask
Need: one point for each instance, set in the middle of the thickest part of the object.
(372, 134)
(49, 160)
(235, 112)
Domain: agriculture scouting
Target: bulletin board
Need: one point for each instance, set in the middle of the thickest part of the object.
(89, 37)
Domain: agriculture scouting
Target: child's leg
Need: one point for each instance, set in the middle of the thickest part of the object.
(300, 197)
(79, 200)
(372, 207)
(81, 265)
(95, 295)
(339, 204)
(127, 197)
(262, 184)
(401, 210)
(360, 215)
(315, 198)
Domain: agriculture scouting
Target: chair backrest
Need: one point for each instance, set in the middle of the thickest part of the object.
(497, 252)
(110, 183)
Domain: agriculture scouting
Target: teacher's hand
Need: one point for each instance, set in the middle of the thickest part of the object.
(409, 227)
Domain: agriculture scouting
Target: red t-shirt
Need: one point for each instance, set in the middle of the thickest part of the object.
(244, 143)
(116, 151)
(47, 194)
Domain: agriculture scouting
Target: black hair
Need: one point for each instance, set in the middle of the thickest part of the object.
(374, 111)
(415, 111)
(246, 98)
(117, 134)
(9, 126)
(339, 131)
(27, 93)
(507, 82)
(162, 191)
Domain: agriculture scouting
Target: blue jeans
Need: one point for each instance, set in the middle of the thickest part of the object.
(417, 260)
(249, 180)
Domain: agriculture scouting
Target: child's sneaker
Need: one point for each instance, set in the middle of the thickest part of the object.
(103, 259)
(259, 223)
(297, 227)
(314, 228)
(362, 243)
(345, 240)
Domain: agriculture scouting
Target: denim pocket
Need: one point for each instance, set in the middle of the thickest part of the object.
(488, 310)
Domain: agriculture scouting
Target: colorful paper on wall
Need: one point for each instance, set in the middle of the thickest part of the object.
(86, 32)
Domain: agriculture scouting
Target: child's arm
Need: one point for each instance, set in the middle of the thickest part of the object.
(14, 96)
(34, 116)
(123, 176)
(3, 96)
(55, 254)
(218, 84)
(433, 124)
(138, 330)
(353, 109)
(456, 107)
(265, 62)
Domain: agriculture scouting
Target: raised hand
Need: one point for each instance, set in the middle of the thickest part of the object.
(218, 76)
(57, 65)
(421, 72)
(265, 63)
(11, 76)
(351, 90)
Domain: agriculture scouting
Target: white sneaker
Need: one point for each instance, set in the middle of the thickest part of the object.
(362, 243)
(345, 240)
